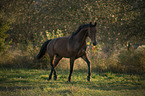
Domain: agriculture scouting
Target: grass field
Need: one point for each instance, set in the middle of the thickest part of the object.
(32, 82)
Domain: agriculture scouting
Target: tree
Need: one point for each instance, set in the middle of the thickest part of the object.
(118, 21)
(4, 27)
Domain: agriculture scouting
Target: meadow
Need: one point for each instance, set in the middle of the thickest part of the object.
(32, 82)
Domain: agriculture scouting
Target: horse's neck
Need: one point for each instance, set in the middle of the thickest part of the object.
(81, 36)
(77, 41)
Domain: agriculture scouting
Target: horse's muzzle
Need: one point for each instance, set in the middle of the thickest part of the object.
(94, 43)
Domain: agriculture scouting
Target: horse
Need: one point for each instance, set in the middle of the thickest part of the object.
(72, 46)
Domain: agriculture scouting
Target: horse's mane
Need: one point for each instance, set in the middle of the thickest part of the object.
(79, 29)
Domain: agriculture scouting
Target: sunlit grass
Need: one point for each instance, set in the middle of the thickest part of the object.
(33, 82)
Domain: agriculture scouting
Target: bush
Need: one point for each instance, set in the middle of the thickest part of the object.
(120, 61)
(4, 27)
(132, 61)
(16, 58)
(22, 54)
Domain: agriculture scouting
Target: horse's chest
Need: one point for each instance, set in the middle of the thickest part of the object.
(81, 52)
(78, 50)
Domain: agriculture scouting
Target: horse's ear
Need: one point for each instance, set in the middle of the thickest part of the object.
(95, 24)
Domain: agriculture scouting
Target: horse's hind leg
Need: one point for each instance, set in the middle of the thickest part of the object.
(89, 70)
(57, 59)
(52, 67)
(71, 68)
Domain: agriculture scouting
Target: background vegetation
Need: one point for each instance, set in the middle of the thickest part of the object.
(26, 24)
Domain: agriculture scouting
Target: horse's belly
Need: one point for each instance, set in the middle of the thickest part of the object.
(61, 49)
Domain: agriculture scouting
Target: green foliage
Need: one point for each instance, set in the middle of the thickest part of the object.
(115, 19)
(54, 34)
(4, 27)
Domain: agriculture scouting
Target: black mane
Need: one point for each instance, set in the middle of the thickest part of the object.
(79, 28)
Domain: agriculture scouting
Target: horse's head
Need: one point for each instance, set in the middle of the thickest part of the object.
(92, 33)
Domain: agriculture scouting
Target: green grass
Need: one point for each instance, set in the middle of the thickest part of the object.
(32, 82)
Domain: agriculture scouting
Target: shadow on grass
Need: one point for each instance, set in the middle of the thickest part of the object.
(116, 86)
(14, 88)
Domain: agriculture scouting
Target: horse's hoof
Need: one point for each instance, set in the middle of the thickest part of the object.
(49, 79)
(68, 81)
(88, 78)
(55, 78)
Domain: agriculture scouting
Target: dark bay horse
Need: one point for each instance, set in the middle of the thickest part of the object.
(72, 46)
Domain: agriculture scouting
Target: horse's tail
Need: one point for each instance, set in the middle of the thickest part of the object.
(42, 50)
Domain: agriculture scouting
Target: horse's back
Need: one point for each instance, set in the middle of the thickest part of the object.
(59, 46)
(63, 47)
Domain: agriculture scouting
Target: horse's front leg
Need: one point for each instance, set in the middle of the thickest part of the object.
(71, 68)
(89, 70)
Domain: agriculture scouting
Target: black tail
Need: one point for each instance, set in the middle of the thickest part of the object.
(43, 50)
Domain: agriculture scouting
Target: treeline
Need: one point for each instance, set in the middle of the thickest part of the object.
(117, 21)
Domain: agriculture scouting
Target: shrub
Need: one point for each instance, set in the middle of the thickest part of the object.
(4, 27)
(132, 61)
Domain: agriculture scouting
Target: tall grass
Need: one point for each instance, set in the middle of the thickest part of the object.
(132, 61)
(120, 61)
(22, 57)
